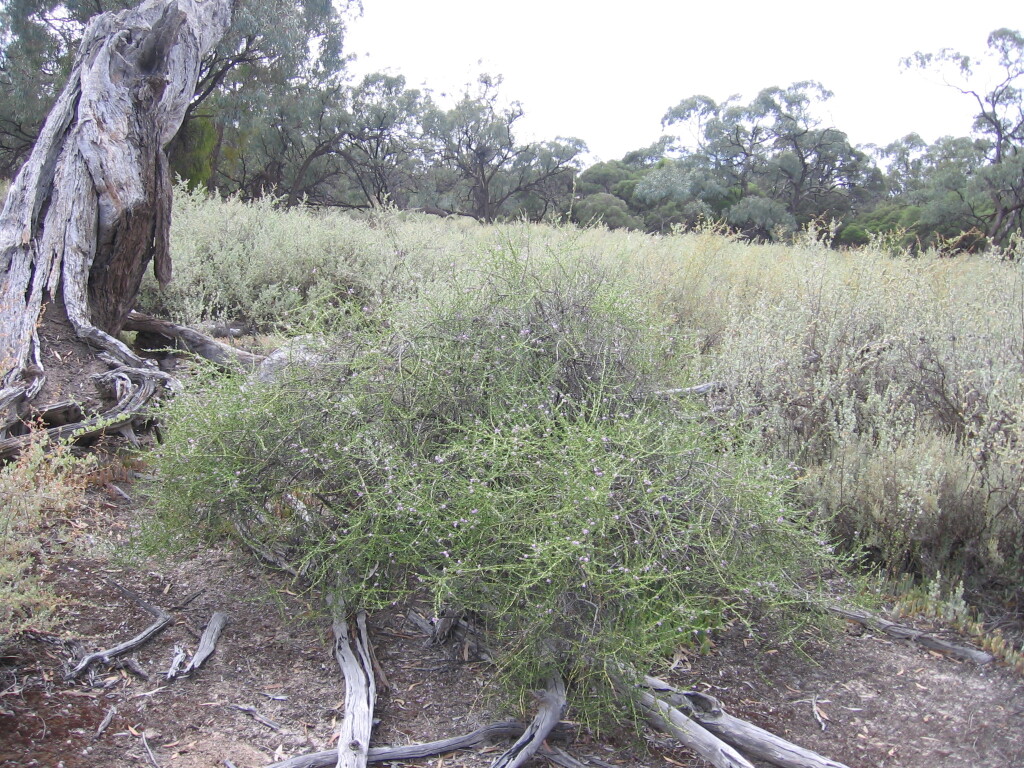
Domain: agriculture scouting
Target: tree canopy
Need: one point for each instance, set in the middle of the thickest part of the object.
(276, 111)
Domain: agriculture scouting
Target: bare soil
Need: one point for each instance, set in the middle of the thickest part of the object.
(861, 699)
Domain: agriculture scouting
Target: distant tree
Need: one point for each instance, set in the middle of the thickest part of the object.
(990, 192)
(765, 166)
(607, 209)
(479, 168)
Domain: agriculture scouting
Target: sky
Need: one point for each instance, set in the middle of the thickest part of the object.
(607, 72)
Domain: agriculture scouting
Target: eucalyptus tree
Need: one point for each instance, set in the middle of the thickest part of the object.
(269, 44)
(480, 170)
(764, 166)
(992, 192)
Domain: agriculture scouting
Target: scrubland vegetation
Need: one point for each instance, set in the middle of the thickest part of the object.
(481, 422)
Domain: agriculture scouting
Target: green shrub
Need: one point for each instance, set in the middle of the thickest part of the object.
(499, 448)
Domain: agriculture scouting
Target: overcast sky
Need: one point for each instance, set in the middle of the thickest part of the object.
(607, 72)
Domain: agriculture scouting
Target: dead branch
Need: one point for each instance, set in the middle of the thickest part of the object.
(195, 342)
(670, 720)
(207, 643)
(708, 388)
(902, 632)
(162, 620)
(550, 706)
(484, 735)
(353, 658)
(751, 740)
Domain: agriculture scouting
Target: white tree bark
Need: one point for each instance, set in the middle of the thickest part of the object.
(91, 207)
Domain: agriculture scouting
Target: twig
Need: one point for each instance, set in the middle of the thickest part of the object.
(107, 719)
(256, 716)
(162, 620)
(149, 753)
(184, 603)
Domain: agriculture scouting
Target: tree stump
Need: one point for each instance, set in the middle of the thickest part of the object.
(91, 208)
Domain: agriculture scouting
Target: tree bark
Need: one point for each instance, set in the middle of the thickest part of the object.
(91, 207)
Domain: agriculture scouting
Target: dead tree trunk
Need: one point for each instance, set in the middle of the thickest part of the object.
(91, 208)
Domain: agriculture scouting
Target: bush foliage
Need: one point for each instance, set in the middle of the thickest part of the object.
(481, 422)
(497, 445)
(44, 484)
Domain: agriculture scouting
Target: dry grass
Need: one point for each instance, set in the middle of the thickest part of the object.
(894, 384)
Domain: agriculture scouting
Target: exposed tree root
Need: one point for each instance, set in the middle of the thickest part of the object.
(550, 706)
(133, 387)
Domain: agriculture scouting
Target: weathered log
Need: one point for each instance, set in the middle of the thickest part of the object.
(751, 740)
(353, 656)
(91, 207)
(195, 342)
(550, 706)
(694, 737)
(902, 632)
(479, 737)
(162, 620)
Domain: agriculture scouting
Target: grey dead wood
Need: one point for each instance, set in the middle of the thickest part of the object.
(550, 706)
(746, 737)
(162, 620)
(708, 388)
(351, 649)
(666, 718)
(902, 632)
(133, 388)
(207, 643)
(90, 209)
(477, 738)
(191, 340)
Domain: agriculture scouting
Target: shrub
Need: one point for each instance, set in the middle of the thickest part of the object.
(42, 485)
(499, 448)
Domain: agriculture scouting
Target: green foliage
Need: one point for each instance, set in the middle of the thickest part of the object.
(42, 486)
(497, 446)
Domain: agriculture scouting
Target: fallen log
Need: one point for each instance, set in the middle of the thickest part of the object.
(902, 632)
(750, 739)
(162, 620)
(191, 340)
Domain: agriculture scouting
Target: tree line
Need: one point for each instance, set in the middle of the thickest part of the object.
(276, 112)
